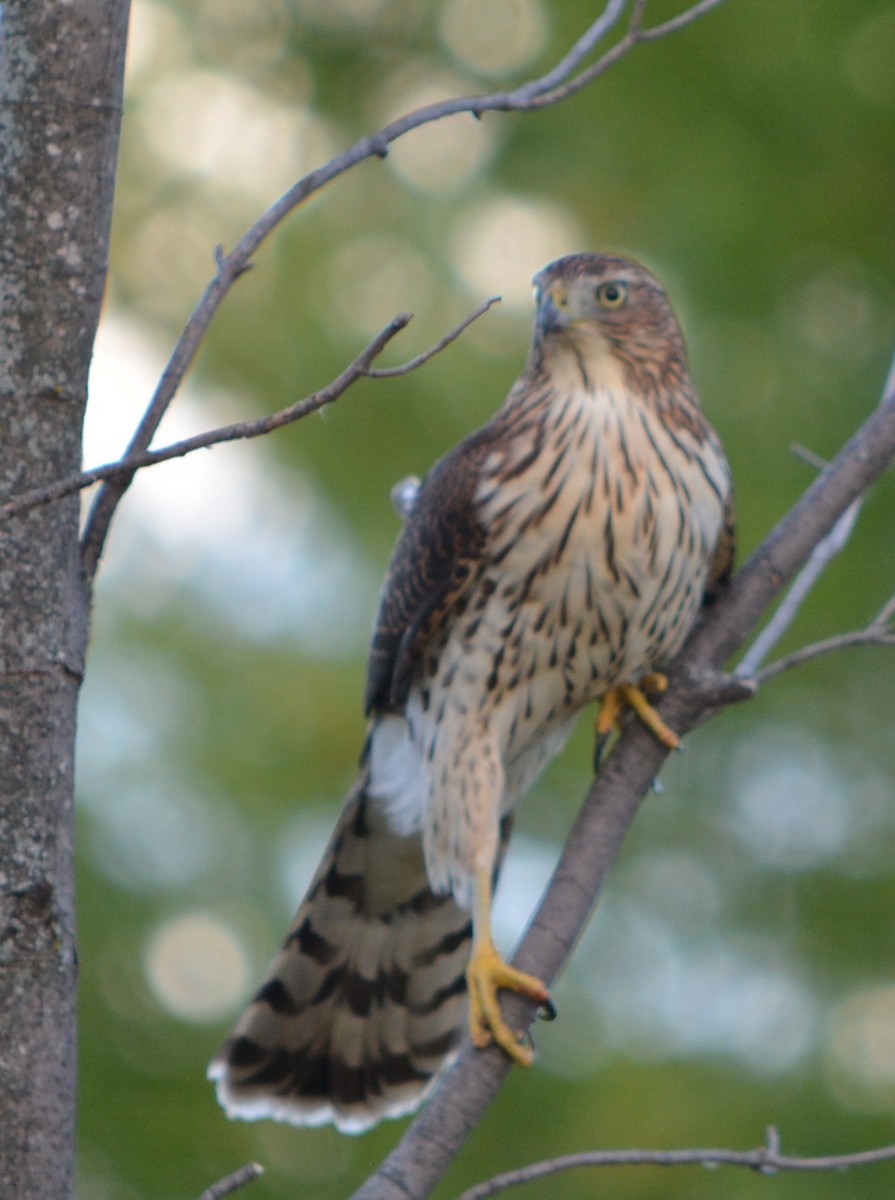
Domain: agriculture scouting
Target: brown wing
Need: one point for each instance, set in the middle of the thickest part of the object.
(430, 567)
(722, 562)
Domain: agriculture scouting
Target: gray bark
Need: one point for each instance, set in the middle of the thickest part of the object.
(61, 71)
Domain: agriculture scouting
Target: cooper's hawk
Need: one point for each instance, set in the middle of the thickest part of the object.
(554, 557)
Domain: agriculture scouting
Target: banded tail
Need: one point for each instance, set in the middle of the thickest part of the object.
(365, 1004)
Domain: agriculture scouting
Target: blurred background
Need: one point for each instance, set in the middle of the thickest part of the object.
(741, 968)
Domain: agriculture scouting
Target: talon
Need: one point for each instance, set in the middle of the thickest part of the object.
(608, 721)
(600, 747)
(487, 974)
(548, 1010)
(632, 695)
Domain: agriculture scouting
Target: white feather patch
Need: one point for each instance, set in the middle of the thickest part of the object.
(397, 774)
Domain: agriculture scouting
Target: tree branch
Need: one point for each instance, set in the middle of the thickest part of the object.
(126, 467)
(360, 368)
(418, 1162)
(767, 1160)
(233, 1183)
(548, 89)
(414, 363)
(821, 556)
(879, 632)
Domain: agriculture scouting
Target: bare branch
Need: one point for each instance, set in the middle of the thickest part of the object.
(233, 1183)
(819, 559)
(808, 456)
(242, 430)
(880, 632)
(679, 22)
(432, 1141)
(413, 363)
(585, 46)
(821, 556)
(767, 1160)
(635, 36)
(360, 368)
(886, 614)
(546, 90)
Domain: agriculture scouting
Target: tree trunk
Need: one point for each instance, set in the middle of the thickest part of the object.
(61, 72)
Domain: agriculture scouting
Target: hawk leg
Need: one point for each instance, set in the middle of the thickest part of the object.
(632, 695)
(487, 974)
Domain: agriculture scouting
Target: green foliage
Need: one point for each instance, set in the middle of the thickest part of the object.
(739, 972)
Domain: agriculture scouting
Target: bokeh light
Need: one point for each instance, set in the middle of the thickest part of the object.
(196, 967)
(374, 278)
(860, 1064)
(496, 38)
(500, 242)
(868, 59)
(263, 547)
(247, 142)
(444, 156)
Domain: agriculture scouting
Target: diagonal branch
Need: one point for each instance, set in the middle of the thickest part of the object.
(233, 1183)
(766, 1160)
(556, 85)
(432, 1141)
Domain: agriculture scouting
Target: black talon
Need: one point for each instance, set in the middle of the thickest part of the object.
(600, 746)
(547, 1011)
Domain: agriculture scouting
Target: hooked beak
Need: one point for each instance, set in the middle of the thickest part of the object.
(553, 312)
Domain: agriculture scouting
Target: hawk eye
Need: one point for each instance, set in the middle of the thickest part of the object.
(612, 295)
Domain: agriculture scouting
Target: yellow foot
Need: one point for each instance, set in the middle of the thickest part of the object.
(486, 974)
(632, 695)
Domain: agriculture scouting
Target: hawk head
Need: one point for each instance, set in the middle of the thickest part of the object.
(599, 304)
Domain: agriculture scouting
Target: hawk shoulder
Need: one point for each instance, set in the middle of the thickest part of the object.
(431, 566)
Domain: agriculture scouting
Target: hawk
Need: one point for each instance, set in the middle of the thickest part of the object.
(559, 555)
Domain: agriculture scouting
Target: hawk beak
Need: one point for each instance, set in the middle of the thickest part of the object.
(553, 311)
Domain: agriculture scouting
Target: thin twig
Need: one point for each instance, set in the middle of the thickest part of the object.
(535, 97)
(767, 1160)
(126, 467)
(886, 614)
(880, 632)
(673, 24)
(546, 90)
(808, 456)
(360, 368)
(233, 1183)
(414, 363)
(817, 563)
(821, 556)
